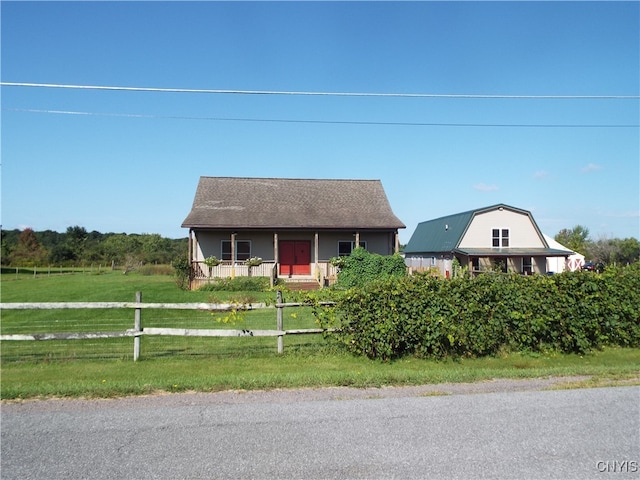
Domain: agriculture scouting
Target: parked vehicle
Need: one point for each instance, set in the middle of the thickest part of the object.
(593, 267)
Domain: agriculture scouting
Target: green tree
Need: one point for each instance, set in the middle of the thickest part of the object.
(121, 248)
(575, 239)
(154, 248)
(76, 241)
(629, 251)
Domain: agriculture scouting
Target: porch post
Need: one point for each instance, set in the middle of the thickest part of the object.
(316, 266)
(357, 240)
(233, 254)
(275, 247)
(190, 254)
(276, 255)
(396, 247)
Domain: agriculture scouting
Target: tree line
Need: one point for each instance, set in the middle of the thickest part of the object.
(76, 247)
(606, 250)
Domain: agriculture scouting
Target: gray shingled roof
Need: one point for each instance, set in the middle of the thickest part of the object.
(231, 202)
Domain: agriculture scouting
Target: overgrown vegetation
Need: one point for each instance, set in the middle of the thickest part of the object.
(573, 312)
(362, 267)
(237, 284)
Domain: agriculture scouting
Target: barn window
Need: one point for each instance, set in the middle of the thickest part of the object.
(505, 237)
(500, 238)
(495, 235)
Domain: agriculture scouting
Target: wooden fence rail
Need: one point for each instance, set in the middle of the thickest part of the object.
(137, 331)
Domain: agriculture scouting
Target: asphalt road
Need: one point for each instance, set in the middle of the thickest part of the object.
(507, 433)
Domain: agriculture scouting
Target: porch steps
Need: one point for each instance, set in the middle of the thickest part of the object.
(302, 285)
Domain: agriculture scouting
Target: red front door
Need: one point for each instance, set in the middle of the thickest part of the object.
(295, 257)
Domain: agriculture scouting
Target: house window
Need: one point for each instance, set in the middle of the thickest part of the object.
(505, 237)
(500, 237)
(527, 265)
(345, 248)
(243, 250)
(475, 264)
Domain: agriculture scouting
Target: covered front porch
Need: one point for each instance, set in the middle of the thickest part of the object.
(323, 273)
(526, 261)
(289, 255)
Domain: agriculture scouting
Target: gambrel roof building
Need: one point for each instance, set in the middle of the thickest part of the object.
(499, 236)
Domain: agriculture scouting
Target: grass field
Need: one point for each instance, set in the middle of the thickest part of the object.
(104, 368)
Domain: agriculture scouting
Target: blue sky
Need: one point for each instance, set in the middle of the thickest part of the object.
(133, 164)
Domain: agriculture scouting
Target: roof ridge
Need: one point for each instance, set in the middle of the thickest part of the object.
(477, 210)
(295, 178)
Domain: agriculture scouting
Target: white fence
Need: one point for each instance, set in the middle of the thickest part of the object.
(138, 331)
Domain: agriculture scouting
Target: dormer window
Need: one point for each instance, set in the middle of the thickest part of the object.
(500, 237)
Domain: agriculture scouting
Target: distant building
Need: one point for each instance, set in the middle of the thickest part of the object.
(496, 237)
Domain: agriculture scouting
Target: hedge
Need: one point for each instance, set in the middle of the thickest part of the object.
(491, 313)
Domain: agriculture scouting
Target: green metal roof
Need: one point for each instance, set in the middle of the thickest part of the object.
(445, 234)
(439, 235)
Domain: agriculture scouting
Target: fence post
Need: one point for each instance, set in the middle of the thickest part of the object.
(279, 308)
(137, 327)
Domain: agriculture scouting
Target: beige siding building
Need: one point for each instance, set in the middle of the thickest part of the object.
(499, 237)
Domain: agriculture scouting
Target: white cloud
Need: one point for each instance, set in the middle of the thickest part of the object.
(592, 167)
(482, 187)
(540, 174)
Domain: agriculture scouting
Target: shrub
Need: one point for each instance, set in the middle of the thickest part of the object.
(237, 284)
(183, 272)
(573, 312)
(362, 267)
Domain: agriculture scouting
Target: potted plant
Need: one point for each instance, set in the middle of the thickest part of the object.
(252, 262)
(211, 262)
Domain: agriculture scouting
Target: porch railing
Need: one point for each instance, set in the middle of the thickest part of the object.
(323, 272)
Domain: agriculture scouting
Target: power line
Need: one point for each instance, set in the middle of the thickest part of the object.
(309, 93)
(326, 122)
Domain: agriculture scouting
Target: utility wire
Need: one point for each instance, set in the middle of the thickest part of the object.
(329, 94)
(326, 122)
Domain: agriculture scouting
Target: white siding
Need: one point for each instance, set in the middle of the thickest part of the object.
(522, 233)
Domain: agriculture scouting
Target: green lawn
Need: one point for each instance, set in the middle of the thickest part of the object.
(104, 367)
